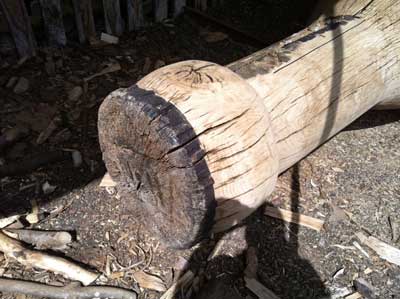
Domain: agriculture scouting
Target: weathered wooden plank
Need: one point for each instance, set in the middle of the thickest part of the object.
(112, 17)
(53, 22)
(79, 20)
(135, 14)
(178, 7)
(203, 5)
(84, 20)
(88, 19)
(14, 11)
(160, 10)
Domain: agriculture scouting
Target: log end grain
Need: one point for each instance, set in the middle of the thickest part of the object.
(192, 146)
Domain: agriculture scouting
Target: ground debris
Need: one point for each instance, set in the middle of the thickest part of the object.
(41, 239)
(70, 291)
(149, 281)
(21, 86)
(75, 93)
(364, 288)
(384, 250)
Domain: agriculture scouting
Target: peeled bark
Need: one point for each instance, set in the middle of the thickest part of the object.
(198, 147)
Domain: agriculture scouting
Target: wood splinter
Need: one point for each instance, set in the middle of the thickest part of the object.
(196, 147)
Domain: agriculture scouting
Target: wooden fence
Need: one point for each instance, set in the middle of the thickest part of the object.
(119, 16)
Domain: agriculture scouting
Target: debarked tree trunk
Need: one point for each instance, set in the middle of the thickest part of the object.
(197, 147)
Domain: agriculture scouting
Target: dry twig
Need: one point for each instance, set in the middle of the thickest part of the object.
(292, 217)
(68, 292)
(41, 239)
(109, 69)
(31, 258)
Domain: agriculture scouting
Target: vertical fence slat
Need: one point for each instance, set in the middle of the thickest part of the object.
(20, 26)
(135, 14)
(160, 9)
(79, 20)
(53, 22)
(178, 7)
(112, 16)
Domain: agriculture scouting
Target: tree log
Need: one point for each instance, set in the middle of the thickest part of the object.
(197, 147)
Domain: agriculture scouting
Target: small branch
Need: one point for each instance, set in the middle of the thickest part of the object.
(32, 258)
(67, 292)
(115, 67)
(292, 217)
(41, 239)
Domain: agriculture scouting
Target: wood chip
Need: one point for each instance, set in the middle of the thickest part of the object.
(368, 271)
(149, 281)
(108, 38)
(4, 222)
(259, 289)
(33, 217)
(213, 37)
(384, 250)
(107, 181)
(292, 217)
(358, 246)
(41, 239)
(355, 295)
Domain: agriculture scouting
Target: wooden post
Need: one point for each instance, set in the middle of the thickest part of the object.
(160, 9)
(178, 7)
(196, 146)
(19, 25)
(84, 20)
(135, 14)
(53, 22)
(112, 17)
(79, 20)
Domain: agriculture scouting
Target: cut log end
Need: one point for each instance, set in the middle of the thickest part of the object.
(191, 145)
(152, 152)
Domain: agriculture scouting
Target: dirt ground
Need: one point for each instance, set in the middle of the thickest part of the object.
(352, 183)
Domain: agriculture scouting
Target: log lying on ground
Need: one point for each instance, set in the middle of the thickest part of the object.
(198, 147)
